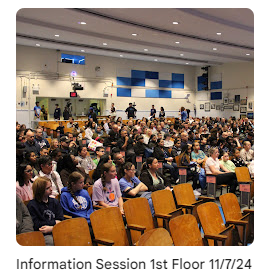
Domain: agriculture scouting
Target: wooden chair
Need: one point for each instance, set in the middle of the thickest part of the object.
(164, 203)
(185, 232)
(75, 232)
(31, 239)
(185, 198)
(246, 185)
(156, 237)
(108, 223)
(233, 215)
(91, 172)
(49, 140)
(139, 217)
(212, 223)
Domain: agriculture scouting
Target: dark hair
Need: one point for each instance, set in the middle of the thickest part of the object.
(20, 173)
(54, 152)
(99, 148)
(43, 160)
(66, 163)
(127, 166)
(148, 161)
(103, 160)
(81, 147)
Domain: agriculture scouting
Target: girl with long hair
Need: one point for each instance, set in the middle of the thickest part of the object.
(24, 181)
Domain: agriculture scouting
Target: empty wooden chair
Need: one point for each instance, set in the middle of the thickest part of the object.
(31, 239)
(139, 217)
(185, 198)
(156, 237)
(74, 232)
(233, 215)
(164, 203)
(185, 232)
(212, 223)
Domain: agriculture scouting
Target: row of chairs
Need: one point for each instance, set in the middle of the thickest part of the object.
(109, 227)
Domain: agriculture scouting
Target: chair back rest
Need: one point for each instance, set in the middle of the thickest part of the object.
(72, 232)
(211, 219)
(108, 223)
(31, 239)
(156, 237)
(163, 202)
(137, 211)
(90, 191)
(185, 231)
(177, 160)
(91, 172)
(230, 206)
(184, 194)
(242, 174)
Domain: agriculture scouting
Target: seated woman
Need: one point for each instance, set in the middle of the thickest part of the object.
(106, 190)
(31, 159)
(152, 141)
(192, 173)
(237, 160)
(161, 154)
(152, 178)
(54, 144)
(227, 163)
(213, 167)
(69, 164)
(84, 160)
(74, 200)
(24, 182)
(45, 211)
(198, 155)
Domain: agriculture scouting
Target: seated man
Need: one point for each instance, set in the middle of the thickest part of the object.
(44, 151)
(31, 145)
(39, 138)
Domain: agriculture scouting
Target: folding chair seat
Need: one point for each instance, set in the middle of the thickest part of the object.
(156, 237)
(31, 239)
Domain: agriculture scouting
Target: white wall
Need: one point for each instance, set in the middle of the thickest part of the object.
(235, 78)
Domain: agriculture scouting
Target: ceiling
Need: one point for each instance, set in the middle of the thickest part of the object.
(193, 41)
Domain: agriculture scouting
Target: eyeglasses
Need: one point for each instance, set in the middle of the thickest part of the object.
(28, 171)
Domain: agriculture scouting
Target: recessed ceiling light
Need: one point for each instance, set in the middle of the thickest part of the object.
(247, 54)
(155, 60)
(121, 55)
(37, 44)
(134, 34)
(83, 23)
(181, 54)
(105, 43)
(219, 34)
(214, 48)
(175, 22)
(82, 50)
(56, 35)
(187, 63)
(177, 42)
(145, 49)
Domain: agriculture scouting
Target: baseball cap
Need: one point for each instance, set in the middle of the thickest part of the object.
(65, 139)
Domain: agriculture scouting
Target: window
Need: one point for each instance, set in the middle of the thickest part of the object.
(73, 59)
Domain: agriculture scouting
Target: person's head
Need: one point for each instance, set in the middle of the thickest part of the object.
(151, 164)
(196, 146)
(161, 108)
(44, 151)
(236, 153)
(108, 172)
(177, 144)
(54, 144)
(140, 139)
(153, 106)
(186, 149)
(56, 154)
(56, 105)
(153, 138)
(182, 109)
(123, 133)
(98, 129)
(45, 164)
(42, 189)
(104, 159)
(159, 135)
(115, 128)
(130, 123)
(75, 182)
(30, 136)
(129, 170)
(100, 151)
(184, 137)
(167, 137)
(226, 156)
(247, 145)
(31, 157)
(24, 173)
(130, 104)
(213, 152)
(37, 103)
(119, 159)
(160, 143)
(64, 142)
(18, 126)
(82, 150)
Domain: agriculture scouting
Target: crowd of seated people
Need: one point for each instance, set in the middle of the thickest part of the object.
(56, 175)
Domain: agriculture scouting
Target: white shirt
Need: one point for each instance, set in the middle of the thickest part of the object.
(211, 162)
(54, 187)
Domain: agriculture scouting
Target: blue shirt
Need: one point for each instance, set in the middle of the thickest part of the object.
(183, 115)
(37, 110)
(124, 184)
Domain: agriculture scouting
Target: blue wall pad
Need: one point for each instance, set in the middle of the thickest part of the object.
(152, 93)
(178, 84)
(177, 77)
(165, 94)
(216, 95)
(216, 85)
(124, 81)
(165, 83)
(138, 74)
(151, 75)
(123, 92)
(137, 82)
